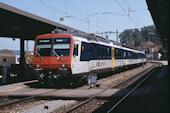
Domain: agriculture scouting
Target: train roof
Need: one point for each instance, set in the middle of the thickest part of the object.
(95, 38)
(87, 36)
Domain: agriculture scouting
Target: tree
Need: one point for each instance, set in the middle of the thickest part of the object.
(149, 33)
(127, 37)
(137, 37)
(6, 50)
(134, 37)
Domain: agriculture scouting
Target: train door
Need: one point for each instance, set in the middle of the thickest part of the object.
(76, 56)
(113, 57)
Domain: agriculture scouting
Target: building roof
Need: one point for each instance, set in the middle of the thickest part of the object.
(17, 23)
(6, 54)
(148, 45)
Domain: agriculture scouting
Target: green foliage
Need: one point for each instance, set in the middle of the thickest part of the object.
(134, 37)
(6, 50)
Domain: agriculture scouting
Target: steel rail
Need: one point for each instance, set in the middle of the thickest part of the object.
(26, 98)
(3, 97)
(124, 97)
(14, 93)
(92, 97)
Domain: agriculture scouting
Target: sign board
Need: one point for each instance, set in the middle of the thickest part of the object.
(92, 79)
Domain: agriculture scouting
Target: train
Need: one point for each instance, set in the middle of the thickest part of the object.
(14, 69)
(66, 55)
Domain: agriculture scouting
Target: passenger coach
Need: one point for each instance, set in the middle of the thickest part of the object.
(69, 55)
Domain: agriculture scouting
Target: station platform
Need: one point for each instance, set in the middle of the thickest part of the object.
(14, 87)
(152, 96)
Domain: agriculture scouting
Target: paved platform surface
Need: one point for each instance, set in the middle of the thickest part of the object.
(60, 93)
(152, 96)
(21, 89)
(14, 87)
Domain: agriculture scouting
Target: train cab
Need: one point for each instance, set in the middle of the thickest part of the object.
(52, 55)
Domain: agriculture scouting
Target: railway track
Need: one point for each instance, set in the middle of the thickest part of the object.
(8, 100)
(5, 101)
(85, 105)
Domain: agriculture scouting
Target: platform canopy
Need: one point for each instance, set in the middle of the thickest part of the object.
(159, 10)
(16, 23)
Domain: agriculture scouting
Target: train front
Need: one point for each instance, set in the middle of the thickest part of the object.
(52, 57)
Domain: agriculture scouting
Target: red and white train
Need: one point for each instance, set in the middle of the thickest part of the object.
(60, 56)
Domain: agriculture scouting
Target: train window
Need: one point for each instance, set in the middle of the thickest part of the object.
(103, 53)
(62, 46)
(75, 51)
(130, 55)
(99, 53)
(134, 55)
(138, 55)
(118, 53)
(62, 40)
(43, 47)
(90, 51)
(43, 41)
(105, 49)
(124, 54)
(107, 52)
(121, 53)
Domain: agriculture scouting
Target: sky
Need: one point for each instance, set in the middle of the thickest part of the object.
(91, 16)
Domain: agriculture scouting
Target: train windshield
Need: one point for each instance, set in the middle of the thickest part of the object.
(52, 47)
(61, 46)
(43, 47)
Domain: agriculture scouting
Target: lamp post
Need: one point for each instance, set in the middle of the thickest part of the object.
(88, 26)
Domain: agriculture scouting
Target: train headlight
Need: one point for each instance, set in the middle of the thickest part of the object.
(64, 65)
(37, 65)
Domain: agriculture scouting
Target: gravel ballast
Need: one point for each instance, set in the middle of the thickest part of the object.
(49, 106)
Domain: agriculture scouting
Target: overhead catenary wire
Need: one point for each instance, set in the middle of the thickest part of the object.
(91, 15)
(134, 13)
(88, 22)
(126, 13)
(94, 16)
(54, 8)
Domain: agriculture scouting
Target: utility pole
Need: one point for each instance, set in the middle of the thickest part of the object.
(88, 25)
(27, 45)
(117, 35)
